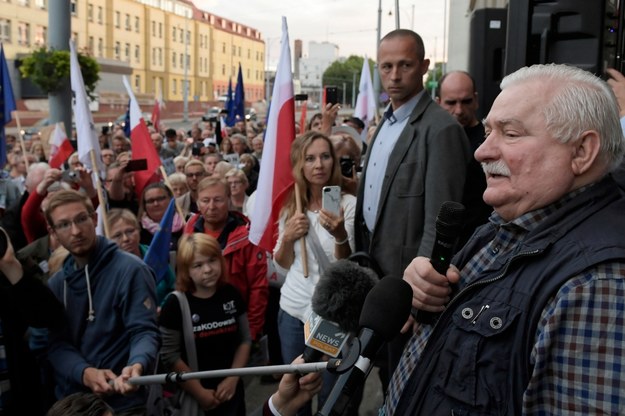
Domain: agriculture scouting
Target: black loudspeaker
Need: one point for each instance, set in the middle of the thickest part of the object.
(486, 54)
(583, 33)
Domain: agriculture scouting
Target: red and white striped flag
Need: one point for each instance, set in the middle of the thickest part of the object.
(60, 147)
(275, 178)
(141, 145)
(366, 107)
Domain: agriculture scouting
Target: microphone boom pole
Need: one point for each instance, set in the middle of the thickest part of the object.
(175, 377)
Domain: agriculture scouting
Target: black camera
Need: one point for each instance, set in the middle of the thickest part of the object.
(347, 163)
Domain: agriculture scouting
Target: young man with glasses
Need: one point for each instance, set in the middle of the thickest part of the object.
(194, 171)
(110, 307)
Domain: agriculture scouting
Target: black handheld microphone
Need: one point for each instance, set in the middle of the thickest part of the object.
(336, 305)
(384, 312)
(449, 223)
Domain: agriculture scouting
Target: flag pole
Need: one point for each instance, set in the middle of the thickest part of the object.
(166, 179)
(298, 207)
(98, 187)
(21, 136)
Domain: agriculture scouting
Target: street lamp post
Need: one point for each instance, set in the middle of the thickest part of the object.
(185, 93)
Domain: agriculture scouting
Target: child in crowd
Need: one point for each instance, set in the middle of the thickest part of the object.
(217, 315)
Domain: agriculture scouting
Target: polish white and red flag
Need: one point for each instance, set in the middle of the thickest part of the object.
(366, 107)
(60, 147)
(141, 145)
(275, 178)
(87, 134)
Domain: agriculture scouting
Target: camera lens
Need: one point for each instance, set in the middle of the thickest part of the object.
(346, 166)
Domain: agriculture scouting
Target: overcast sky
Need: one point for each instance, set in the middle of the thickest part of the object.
(351, 24)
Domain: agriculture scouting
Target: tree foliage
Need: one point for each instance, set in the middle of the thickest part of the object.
(342, 72)
(50, 70)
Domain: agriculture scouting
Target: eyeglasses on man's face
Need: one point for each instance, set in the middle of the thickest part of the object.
(79, 221)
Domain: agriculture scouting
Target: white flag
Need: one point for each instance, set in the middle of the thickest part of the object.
(366, 107)
(87, 135)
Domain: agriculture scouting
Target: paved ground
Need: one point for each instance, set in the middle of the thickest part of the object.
(256, 394)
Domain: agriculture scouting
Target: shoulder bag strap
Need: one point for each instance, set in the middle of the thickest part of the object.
(187, 330)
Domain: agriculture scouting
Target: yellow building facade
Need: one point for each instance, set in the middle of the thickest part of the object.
(161, 42)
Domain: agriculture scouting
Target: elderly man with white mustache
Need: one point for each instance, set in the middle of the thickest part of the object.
(531, 310)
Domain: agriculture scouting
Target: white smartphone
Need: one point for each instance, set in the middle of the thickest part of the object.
(331, 199)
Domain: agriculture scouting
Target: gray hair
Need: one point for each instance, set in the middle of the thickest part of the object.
(580, 102)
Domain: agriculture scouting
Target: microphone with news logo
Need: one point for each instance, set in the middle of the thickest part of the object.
(385, 311)
(336, 306)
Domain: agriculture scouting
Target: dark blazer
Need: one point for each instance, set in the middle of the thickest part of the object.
(426, 168)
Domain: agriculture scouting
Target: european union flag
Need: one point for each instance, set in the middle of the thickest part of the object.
(7, 104)
(127, 127)
(157, 256)
(238, 112)
(230, 106)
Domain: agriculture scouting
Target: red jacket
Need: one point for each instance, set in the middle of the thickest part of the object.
(247, 265)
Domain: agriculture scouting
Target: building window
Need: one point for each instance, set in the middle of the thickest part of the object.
(100, 21)
(40, 3)
(73, 7)
(173, 59)
(24, 3)
(118, 48)
(137, 24)
(174, 86)
(127, 52)
(91, 44)
(188, 37)
(160, 56)
(41, 35)
(153, 28)
(100, 46)
(90, 12)
(137, 53)
(181, 61)
(127, 22)
(5, 30)
(153, 56)
(23, 34)
(160, 30)
(118, 19)
(138, 83)
(223, 70)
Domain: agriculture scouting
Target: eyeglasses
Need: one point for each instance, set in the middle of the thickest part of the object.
(79, 221)
(195, 175)
(156, 200)
(128, 233)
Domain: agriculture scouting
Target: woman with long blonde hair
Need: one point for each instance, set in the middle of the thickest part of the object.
(328, 236)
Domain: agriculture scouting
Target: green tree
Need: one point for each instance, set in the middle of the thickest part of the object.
(434, 75)
(50, 69)
(342, 72)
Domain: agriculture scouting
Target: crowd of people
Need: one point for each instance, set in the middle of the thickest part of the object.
(525, 321)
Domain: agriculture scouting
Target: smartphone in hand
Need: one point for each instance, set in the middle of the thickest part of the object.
(331, 94)
(331, 199)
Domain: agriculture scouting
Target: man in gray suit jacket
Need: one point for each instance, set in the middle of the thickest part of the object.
(417, 160)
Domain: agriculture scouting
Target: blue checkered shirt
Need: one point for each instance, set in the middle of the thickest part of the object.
(573, 373)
